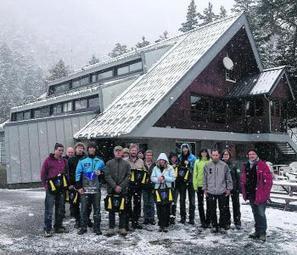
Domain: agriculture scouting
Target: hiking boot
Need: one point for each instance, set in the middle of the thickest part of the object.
(172, 221)
(61, 230)
(227, 227)
(165, 230)
(136, 225)
(262, 237)
(254, 235)
(123, 232)
(48, 233)
(191, 222)
(238, 227)
(160, 229)
(98, 232)
(146, 222)
(152, 222)
(215, 230)
(82, 231)
(90, 224)
(182, 221)
(77, 224)
(110, 232)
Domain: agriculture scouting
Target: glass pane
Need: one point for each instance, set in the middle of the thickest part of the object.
(61, 88)
(27, 115)
(194, 101)
(94, 77)
(19, 116)
(67, 107)
(136, 67)
(57, 109)
(37, 113)
(105, 75)
(75, 83)
(85, 81)
(81, 104)
(93, 102)
(123, 70)
(45, 112)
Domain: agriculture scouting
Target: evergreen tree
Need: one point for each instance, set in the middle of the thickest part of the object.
(143, 43)
(223, 12)
(118, 50)
(191, 19)
(58, 71)
(208, 15)
(164, 36)
(93, 60)
(244, 6)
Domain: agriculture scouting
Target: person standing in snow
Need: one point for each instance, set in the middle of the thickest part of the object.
(256, 184)
(198, 174)
(117, 173)
(163, 177)
(134, 194)
(217, 185)
(53, 173)
(184, 183)
(69, 153)
(235, 174)
(147, 192)
(88, 183)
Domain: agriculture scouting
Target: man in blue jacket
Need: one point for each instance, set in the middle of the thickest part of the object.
(88, 182)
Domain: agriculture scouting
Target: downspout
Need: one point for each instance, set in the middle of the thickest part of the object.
(269, 112)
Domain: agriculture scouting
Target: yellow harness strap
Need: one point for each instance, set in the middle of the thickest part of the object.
(51, 183)
(122, 206)
(109, 206)
(186, 176)
(75, 198)
(64, 181)
(144, 178)
(158, 198)
(132, 177)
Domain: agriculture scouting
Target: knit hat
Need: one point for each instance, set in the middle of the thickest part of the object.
(163, 156)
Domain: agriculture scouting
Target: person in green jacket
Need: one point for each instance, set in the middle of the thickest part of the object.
(198, 173)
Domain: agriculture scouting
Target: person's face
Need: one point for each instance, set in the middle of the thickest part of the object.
(203, 154)
(252, 156)
(226, 156)
(70, 152)
(162, 162)
(149, 156)
(174, 159)
(140, 155)
(133, 152)
(126, 155)
(92, 151)
(215, 156)
(118, 153)
(59, 152)
(79, 150)
(185, 150)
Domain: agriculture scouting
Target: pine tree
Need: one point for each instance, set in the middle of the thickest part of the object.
(191, 19)
(93, 60)
(208, 15)
(143, 43)
(58, 71)
(223, 12)
(118, 50)
(244, 6)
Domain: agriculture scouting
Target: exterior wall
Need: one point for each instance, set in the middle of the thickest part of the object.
(282, 91)
(152, 57)
(2, 147)
(28, 143)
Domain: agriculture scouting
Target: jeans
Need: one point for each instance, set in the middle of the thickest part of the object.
(148, 204)
(134, 204)
(212, 200)
(181, 189)
(163, 212)
(260, 217)
(122, 220)
(235, 207)
(88, 200)
(203, 219)
(51, 201)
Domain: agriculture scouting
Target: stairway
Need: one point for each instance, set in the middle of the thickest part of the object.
(286, 148)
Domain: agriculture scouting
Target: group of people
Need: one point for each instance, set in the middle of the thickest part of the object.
(134, 181)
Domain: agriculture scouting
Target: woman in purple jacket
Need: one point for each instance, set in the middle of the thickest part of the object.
(256, 183)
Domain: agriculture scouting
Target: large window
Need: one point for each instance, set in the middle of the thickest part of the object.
(67, 106)
(123, 70)
(93, 102)
(42, 112)
(80, 104)
(134, 67)
(27, 115)
(105, 75)
(59, 89)
(57, 109)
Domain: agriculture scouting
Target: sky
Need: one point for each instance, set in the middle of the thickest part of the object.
(73, 30)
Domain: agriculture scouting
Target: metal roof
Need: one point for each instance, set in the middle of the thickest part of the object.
(258, 84)
(149, 91)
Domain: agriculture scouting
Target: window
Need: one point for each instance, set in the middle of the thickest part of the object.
(123, 70)
(93, 102)
(136, 67)
(56, 109)
(19, 116)
(259, 107)
(85, 81)
(236, 108)
(42, 112)
(194, 101)
(105, 75)
(37, 113)
(27, 115)
(61, 88)
(250, 108)
(81, 104)
(75, 83)
(67, 107)
(94, 78)
(230, 75)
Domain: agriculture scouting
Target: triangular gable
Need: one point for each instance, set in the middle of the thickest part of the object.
(148, 98)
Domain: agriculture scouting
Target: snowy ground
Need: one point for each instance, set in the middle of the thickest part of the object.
(21, 221)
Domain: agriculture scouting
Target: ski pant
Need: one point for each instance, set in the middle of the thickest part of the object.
(134, 204)
(235, 208)
(212, 200)
(259, 217)
(51, 201)
(122, 219)
(87, 201)
(181, 190)
(163, 212)
(204, 219)
(148, 204)
(75, 210)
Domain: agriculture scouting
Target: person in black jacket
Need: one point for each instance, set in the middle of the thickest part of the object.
(235, 174)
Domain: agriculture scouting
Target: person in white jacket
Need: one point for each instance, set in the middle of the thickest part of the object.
(163, 177)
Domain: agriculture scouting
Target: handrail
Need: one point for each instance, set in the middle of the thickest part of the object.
(292, 135)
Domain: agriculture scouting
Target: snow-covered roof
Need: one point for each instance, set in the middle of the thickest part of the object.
(129, 56)
(2, 126)
(262, 83)
(73, 94)
(170, 75)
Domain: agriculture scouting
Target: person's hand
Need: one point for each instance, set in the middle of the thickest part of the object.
(227, 193)
(81, 191)
(161, 178)
(186, 162)
(118, 189)
(71, 187)
(205, 193)
(98, 172)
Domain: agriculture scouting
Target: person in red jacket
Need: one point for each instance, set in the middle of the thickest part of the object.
(256, 183)
(53, 177)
